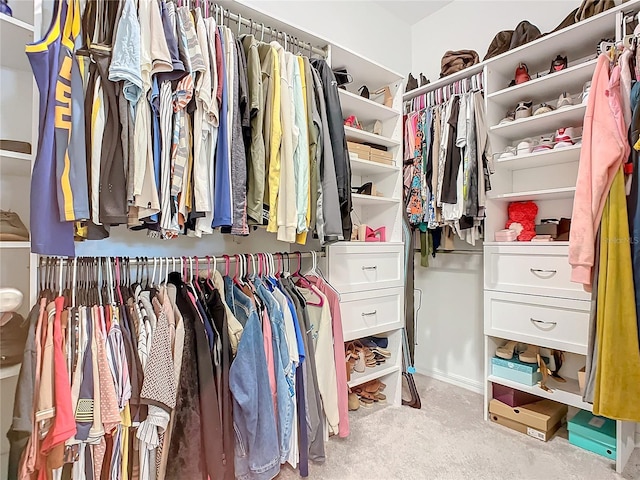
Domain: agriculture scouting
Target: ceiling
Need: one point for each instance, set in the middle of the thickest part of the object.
(412, 12)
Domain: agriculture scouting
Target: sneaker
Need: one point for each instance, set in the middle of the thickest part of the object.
(564, 137)
(523, 110)
(585, 92)
(522, 74)
(11, 228)
(565, 100)
(525, 146)
(543, 108)
(560, 63)
(509, 152)
(545, 143)
(510, 117)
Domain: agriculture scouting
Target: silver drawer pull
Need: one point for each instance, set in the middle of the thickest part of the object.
(538, 270)
(543, 325)
(374, 267)
(369, 314)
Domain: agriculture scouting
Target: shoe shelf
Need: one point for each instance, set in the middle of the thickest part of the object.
(539, 89)
(362, 136)
(14, 35)
(10, 372)
(567, 393)
(368, 168)
(372, 373)
(367, 111)
(575, 41)
(545, 158)
(364, 71)
(536, 195)
(371, 200)
(540, 124)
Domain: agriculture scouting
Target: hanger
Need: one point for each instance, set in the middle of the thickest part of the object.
(239, 24)
(305, 281)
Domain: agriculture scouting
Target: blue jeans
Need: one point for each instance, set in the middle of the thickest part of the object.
(257, 455)
(283, 368)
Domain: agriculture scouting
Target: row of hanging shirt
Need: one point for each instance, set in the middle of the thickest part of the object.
(179, 375)
(157, 117)
(447, 159)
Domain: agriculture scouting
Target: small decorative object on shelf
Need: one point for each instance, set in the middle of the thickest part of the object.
(5, 8)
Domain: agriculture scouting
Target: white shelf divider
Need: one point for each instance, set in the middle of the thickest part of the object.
(366, 110)
(545, 158)
(14, 35)
(9, 372)
(367, 167)
(540, 124)
(550, 194)
(372, 373)
(26, 245)
(372, 200)
(357, 135)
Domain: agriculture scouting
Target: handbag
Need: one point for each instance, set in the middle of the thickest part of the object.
(525, 32)
(453, 62)
(499, 44)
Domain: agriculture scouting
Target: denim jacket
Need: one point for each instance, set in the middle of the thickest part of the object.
(283, 368)
(257, 456)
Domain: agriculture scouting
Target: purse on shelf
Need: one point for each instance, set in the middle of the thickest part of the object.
(454, 61)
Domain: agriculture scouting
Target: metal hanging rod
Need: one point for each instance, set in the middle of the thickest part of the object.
(272, 32)
(194, 258)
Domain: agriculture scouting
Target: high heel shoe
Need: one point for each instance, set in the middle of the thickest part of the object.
(506, 350)
(352, 121)
(364, 91)
(386, 91)
(377, 235)
(366, 189)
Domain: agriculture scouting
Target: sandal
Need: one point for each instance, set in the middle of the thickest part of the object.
(365, 189)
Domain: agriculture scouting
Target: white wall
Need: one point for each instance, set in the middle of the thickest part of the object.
(364, 27)
(472, 24)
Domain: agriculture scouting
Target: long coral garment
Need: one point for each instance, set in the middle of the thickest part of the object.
(618, 370)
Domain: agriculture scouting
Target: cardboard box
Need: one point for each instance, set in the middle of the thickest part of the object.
(511, 396)
(582, 379)
(376, 158)
(514, 369)
(382, 153)
(522, 428)
(363, 151)
(593, 433)
(542, 415)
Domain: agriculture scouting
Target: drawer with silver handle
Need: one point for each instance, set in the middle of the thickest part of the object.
(360, 268)
(531, 269)
(370, 313)
(557, 323)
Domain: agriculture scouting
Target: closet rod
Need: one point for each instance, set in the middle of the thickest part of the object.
(260, 27)
(198, 258)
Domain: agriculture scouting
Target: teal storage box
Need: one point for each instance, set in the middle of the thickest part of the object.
(515, 370)
(593, 433)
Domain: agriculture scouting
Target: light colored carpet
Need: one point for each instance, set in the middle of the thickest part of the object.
(448, 439)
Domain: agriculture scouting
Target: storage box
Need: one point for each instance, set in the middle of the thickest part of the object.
(514, 369)
(381, 153)
(542, 415)
(378, 159)
(547, 229)
(511, 396)
(522, 428)
(506, 235)
(359, 149)
(582, 379)
(596, 434)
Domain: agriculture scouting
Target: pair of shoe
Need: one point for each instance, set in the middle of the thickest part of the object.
(509, 349)
(412, 82)
(352, 121)
(386, 91)
(522, 71)
(364, 233)
(525, 109)
(369, 393)
(358, 357)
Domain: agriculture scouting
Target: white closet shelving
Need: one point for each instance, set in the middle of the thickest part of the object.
(515, 293)
(370, 275)
(18, 122)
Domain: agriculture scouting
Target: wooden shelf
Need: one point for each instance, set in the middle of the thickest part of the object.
(14, 35)
(372, 373)
(566, 393)
(367, 111)
(540, 124)
(361, 168)
(371, 200)
(362, 136)
(26, 245)
(10, 372)
(540, 89)
(537, 195)
(545, 158)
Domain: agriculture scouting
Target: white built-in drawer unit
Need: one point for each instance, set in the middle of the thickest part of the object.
(372, 312)
(356, 268)
(558, 323)
(534, 270)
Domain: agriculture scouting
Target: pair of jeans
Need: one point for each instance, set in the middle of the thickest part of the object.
(283, 368)
(257, 455)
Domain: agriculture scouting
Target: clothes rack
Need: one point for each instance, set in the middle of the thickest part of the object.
(260, 27)
(471, 79)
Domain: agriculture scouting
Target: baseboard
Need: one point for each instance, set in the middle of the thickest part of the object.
(453, 379)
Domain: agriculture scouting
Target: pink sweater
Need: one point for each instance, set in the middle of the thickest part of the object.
(604, 149)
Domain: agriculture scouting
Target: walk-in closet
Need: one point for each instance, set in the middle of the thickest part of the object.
(256, 239)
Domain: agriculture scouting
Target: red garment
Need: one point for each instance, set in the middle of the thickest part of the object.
(64, 423)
